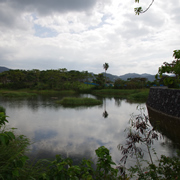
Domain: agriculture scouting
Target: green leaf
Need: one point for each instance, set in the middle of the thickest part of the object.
(15, 173)
(2, 139)
(11, 135)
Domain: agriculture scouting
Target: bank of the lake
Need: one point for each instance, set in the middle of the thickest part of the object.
(133, 95)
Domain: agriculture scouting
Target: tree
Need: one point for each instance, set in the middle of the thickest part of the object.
(119, 83)
(139, 10)
(105, 66)
(100, 80)
(171, 68)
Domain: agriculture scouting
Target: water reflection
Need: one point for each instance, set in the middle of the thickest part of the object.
(168, 126)
(71, 132)
(105, 113)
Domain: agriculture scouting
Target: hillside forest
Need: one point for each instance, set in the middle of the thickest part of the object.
(62, 79)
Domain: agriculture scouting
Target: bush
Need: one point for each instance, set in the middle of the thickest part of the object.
(13, 148)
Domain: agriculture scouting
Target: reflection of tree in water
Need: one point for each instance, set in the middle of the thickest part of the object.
(117, 101)
(105, 113)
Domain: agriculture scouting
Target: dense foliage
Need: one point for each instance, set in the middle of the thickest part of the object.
(140, 139)
(172, 69)
(62, 79)
(50, 79)
(132, 83)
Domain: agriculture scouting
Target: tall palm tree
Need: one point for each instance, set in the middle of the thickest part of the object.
(105, 66)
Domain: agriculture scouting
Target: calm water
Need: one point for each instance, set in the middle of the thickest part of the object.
(73, 132)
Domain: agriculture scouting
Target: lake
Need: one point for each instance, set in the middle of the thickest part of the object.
(74, 132)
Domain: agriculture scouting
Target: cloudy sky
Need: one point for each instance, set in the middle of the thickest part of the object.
(84, 34)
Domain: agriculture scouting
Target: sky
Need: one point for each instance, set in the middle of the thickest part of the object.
(84, 34)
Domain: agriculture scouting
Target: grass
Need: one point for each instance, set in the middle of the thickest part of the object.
(29, 93)
(53, 91)
(134, 95)
(139, 95)
(16, 94)
(72, 101)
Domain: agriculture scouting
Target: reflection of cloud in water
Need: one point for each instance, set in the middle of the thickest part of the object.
(73, 132)
(41, 134)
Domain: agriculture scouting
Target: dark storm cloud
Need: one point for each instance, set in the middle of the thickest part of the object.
(45, 7)
(11, 10)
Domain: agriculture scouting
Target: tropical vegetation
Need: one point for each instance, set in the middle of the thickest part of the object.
(169, 73)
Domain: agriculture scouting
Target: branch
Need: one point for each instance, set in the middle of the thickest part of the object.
(139, 10)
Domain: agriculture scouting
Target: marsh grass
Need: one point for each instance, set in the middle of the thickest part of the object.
(139, 95)
(8, 93)
(53, 91)
(29, 92)
(72, 101)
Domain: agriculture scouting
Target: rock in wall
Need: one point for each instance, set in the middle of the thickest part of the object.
(165, 100)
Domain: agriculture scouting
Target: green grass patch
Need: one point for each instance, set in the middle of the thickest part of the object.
(72, 101)
(29, 92)
(16, 94)
(63, 92)
(138, 95)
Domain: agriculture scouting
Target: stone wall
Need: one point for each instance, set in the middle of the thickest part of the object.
(165, 100)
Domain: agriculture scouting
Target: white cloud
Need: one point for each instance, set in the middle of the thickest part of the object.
(83, 35)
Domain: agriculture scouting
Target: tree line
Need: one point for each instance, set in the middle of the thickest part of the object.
(60, 79)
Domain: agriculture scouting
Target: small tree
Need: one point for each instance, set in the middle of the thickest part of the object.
(100, 80)
(171, 68)
(105, 66)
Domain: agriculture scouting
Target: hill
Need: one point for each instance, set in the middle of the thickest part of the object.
(131, 75)
(2, 69)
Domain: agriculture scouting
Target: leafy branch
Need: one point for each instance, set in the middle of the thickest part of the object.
(139, 10)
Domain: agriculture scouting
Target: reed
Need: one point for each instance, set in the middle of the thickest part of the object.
(16, 94)
(72, 101)
(139, 95)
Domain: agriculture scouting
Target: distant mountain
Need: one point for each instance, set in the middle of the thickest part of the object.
(134, 75)
(111, 77)
(130, 75)
(2, 69)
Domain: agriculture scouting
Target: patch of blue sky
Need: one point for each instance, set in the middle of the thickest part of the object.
(34, 16)
(103, 21)
(44, 32)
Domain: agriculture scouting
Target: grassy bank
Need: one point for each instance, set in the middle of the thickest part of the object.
(29, 92)
(7, 93)
(71, 101)
(132, 95)
(129, 94)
